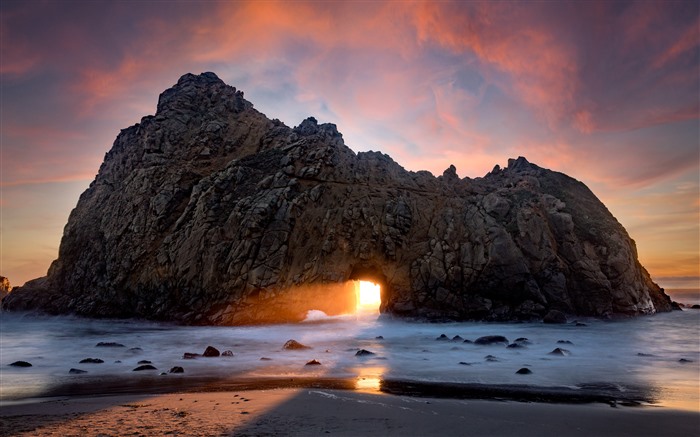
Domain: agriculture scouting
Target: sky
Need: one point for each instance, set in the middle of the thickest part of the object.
(606, 92)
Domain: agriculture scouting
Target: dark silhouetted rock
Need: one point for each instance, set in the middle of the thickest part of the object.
(564, 342)
(76, 371)
(294, 345)
(695, 307)
(21, 364)
(211, 351)
(92, 361)
(144, 362)
(467, 341)
(442, 337)
(379, 337)
(464, 363)
(176, 369)
(490, 358)
(5, 287)
(554, 316)
(640, 354)
(516, 346)
(491, 339)
(144, 367)
(363, 353)
(227, 353)
(313, 363)
(560, 352)
(234, 218)
(190, 356)
(457, 338)
(265, 359)
(109, 344)
(685, 360)
(524, 371)
(135, 350)
(580, 324)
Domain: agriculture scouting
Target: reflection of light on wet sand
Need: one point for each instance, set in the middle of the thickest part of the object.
(369, 379)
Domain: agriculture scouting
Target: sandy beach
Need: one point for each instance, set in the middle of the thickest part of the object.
(334, 412)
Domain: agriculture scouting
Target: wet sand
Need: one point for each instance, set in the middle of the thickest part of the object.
(321, 411)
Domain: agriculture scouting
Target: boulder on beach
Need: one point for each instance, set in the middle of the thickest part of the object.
(523, 371)
(294, 345)
(211, 351)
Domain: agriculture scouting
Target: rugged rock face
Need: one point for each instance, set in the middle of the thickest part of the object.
(5, 286)
(208, 212)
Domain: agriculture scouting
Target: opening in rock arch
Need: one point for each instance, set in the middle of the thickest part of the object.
(368, 297)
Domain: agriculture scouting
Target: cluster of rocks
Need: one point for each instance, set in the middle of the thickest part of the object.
(208, 212)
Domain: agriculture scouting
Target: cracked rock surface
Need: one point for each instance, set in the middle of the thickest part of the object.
(210, 213)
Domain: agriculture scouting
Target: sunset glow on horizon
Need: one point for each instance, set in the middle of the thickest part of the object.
(606, 92)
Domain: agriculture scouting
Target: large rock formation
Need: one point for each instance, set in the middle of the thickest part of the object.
(208, 212)
(5, 286)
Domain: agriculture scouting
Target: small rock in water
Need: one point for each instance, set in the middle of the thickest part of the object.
(77, 371)
(144, 362)
(21, 364)
(92, 361)
(564, 342)
(524, 371)
(177, 369)
(554, 316)
(464, 363)
(144, 367)
(442, 337)
(313, 363)
(491, 358)
(468, 341)
(135, 350)
(190, 356)
(640, 354)
(294, 345)
(580, 324)
(379, 337)
(491, 339)
(363, 353)
(457, 338)
(695, 307)
(685, 360)
(522, 340)
(109, 344)
(227, 353)
(560, 352)
(515, 346)
(211, 351)
(265, 359)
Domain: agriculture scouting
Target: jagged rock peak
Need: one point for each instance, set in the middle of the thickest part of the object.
(211, 213)
(199, 91)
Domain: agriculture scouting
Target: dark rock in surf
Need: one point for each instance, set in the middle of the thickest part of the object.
(516, 346)
(211, 351)
(227, 353)
(144, 367)
(490, 358)
(491, 339)
(313, 363)
(74, 371)
(364, 353)
(190, 356)
(92, 361)
(564, 342)
(109, 344)
(442, 337)
(144, 362)
(176, 369)
(685, 360)
(21, 364)
(457, 338)
(524, 371)
(560, 352)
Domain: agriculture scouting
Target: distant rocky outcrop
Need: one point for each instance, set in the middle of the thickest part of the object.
(5, 286)
(210, 213)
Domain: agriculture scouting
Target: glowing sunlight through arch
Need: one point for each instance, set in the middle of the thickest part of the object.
(368, 297)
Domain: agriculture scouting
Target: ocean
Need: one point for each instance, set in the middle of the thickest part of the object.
(657, 356)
